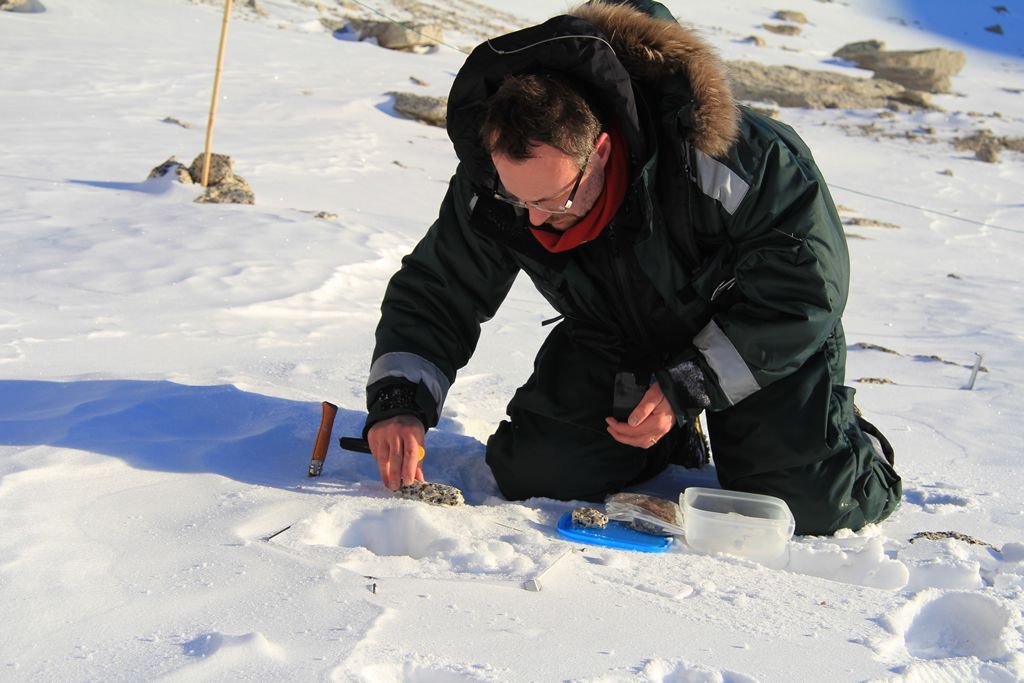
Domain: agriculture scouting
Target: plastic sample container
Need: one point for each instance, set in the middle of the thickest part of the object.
(748, 525)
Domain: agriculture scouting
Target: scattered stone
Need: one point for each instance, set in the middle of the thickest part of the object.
(942, 535)
(865, 346)
(755, 40)
(589, 517)
(418, 81)
(220, 168)
(177, 122)
(925, 70)
(887, 114)
(22, 6)
(433, 493)
(307, 93)
(868, 223)
(172, 167)
(986, 146)
(989, 154)
(995, 28)
(782, 29)
(1014, 91)
(326, 216)
(850, 51)
(430, 110)
(954, 276)
(398, 37)
(946, 171)
(1001, 9)
(787, 15)
(875, 380)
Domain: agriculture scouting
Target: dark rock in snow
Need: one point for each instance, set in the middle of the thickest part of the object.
(172, 167)
(431, 110)
(220, 168)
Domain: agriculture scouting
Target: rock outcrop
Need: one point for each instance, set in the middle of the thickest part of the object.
(789, 86)
(925, 70)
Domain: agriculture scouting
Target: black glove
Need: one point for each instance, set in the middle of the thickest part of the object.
(685, 387)
(393, 396)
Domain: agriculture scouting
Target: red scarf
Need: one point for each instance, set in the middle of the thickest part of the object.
(616, 179)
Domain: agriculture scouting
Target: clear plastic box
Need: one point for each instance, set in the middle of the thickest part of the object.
(749, 525)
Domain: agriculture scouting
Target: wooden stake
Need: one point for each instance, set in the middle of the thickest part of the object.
(216, 92)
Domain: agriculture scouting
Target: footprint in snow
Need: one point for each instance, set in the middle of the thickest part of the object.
(938, 498)
(940, 625)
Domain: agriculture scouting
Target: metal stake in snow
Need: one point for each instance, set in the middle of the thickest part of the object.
(974, 372)
(216, 92)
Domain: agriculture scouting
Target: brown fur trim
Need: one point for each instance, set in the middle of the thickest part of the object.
(652, 49)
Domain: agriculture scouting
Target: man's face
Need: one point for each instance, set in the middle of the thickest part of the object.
(547, 179)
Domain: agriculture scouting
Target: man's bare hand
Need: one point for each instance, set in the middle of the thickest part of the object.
(397, 446)
(649, 421)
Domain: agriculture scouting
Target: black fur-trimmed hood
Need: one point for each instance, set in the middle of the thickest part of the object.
(612, 50)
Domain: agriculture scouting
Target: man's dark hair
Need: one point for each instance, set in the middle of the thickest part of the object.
(533, 109)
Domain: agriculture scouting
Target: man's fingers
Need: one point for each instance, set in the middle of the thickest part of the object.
(653, 398)
(647, 435)
(410, 460)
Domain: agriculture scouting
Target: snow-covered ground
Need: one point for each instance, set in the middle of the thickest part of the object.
(162, 364)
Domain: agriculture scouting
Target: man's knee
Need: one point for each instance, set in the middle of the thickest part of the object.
(533, 456)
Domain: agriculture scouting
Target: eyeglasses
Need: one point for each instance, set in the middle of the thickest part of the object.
(536, 206)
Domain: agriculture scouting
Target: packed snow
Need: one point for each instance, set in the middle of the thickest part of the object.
(162, 364)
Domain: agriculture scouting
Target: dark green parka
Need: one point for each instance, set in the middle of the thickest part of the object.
(728, 250)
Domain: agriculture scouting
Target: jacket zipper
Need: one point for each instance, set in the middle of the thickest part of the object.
(622, 279)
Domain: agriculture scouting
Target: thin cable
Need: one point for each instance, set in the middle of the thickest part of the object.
(409, 28)
(926, 210)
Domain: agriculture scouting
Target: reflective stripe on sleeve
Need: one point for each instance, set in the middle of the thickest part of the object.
(734, 377)
(719, 182)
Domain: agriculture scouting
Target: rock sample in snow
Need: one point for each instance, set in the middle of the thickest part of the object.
(24, 6)
(223, 187)
(430, 110)
(433, 493)
(392, 36)
(924, 70)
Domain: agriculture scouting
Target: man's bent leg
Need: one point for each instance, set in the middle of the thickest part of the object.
(555, 444)
(798, 439)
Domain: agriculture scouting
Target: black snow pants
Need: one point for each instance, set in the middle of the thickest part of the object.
(797, 439)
